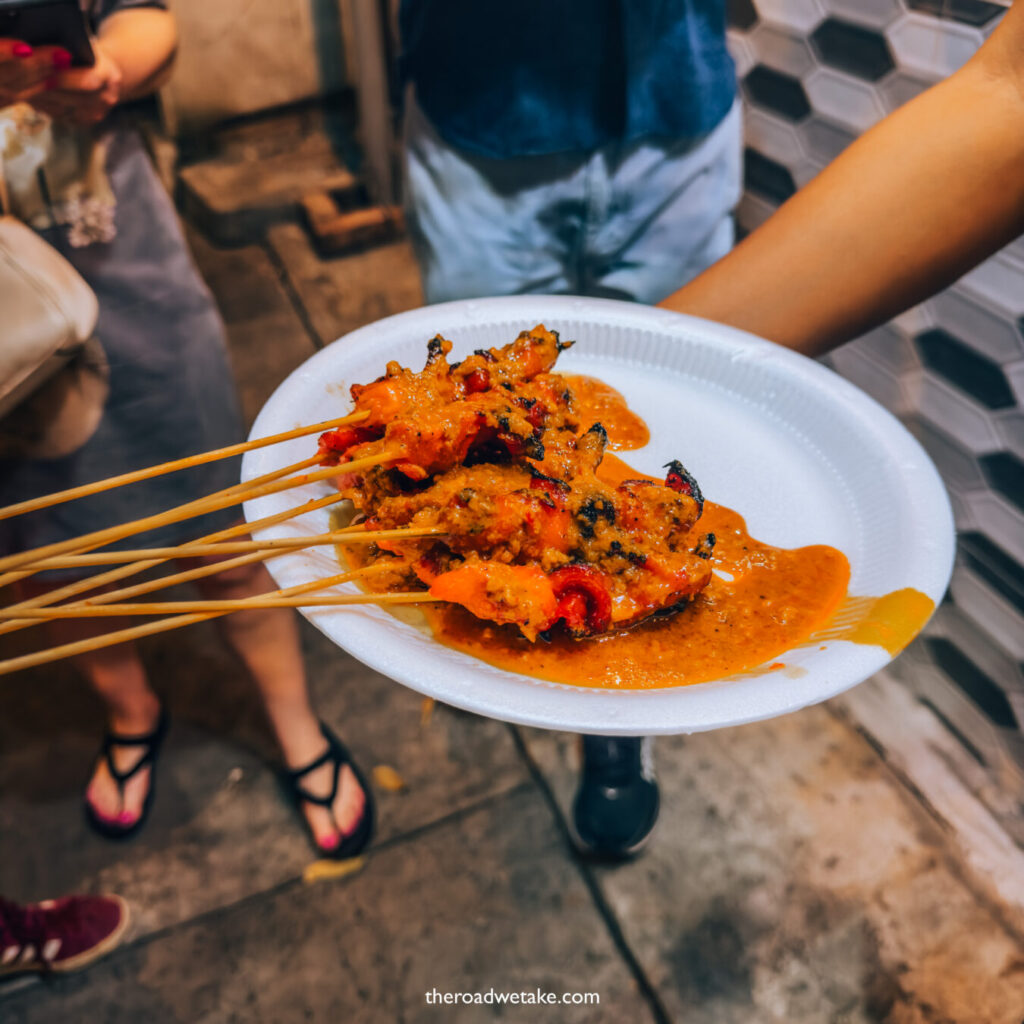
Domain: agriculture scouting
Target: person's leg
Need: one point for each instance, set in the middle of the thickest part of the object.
(267, 641)
(617, 801)
(660, 214)
(118, 677)
(489, 227)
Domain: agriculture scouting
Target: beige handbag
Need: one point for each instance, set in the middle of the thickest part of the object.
(52, 372)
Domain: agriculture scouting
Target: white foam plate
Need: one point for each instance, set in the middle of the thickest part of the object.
(805, 456)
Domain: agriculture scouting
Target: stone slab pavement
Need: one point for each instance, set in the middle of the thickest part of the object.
(793, 878)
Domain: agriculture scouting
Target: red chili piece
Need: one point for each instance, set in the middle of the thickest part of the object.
(335, 443)
(583, 599)
(550, 487)
(478, 380)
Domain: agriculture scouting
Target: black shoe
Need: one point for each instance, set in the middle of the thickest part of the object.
(616, 805)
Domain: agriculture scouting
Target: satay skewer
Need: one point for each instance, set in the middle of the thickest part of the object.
(98, 486)
(148, 586)
(97, 539)
(219, 500)
(272, 600)
(349, 535)
(174, 622)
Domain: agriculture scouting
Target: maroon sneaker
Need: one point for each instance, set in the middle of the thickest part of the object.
(59, 935)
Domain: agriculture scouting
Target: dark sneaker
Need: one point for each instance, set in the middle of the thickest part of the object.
(59, 935)
(616, 805)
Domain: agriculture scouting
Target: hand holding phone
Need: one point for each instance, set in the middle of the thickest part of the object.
(25, 70)
(83, 96)
(48, 23)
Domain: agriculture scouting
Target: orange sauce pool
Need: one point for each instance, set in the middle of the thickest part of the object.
(761, 601)
(597, 402)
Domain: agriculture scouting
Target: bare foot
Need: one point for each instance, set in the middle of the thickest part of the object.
(112, 803)
(331, 825)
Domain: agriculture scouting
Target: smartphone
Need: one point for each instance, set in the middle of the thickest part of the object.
(48, 23)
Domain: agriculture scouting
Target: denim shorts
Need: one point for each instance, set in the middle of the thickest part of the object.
(628, 221)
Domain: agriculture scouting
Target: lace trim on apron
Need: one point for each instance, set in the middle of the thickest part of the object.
(56, 175)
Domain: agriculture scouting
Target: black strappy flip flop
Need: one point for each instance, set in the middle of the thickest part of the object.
(336, 754)
(151, 742)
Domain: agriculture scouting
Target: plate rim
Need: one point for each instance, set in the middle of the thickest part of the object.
(885, 426)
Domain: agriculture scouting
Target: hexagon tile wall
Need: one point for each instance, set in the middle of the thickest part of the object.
(815, 74)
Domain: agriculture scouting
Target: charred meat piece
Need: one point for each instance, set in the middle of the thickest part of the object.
(490, 453)
(680, 480)
(435, 419)
(520, 595)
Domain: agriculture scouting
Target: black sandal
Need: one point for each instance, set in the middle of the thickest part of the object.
(152, 742)
(355, 841)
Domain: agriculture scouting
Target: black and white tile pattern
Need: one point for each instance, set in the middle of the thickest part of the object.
(815, 74)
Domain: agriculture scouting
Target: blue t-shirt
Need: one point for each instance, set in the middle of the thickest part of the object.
(528, 77)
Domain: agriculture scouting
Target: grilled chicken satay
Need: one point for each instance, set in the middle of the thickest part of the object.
(587, 598)
(434, 419)
(617, 591)
(593, 556)
(513, 511)
(489, 451)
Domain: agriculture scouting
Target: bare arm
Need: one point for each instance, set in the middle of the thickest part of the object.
(134, 54)
(142, 42)
(914, 203)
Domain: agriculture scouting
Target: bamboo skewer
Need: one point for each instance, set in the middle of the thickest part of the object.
(148, 586)
(221, 499)
(89, 541)
(163, 625)
(98, 538)
(209, 569)
(349, 535)
(125, 593)
(58, 497)
(272, 600)
(175, 579)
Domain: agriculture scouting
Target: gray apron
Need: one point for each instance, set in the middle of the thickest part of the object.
(171, 388)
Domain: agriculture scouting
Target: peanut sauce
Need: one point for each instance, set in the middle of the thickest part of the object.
(597, 402)
(775, 599)
(762, 600)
